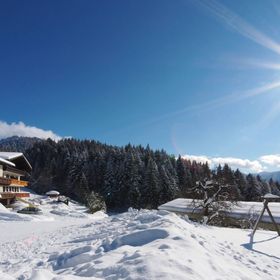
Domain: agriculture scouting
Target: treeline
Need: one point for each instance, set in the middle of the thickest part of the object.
(130, 176)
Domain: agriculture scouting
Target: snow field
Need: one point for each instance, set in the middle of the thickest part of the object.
(140, 245)
(51, 210)
(243, 209)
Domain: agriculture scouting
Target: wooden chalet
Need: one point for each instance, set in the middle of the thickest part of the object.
(13, 166)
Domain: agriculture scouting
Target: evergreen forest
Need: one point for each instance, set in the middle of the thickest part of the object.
(123, 177)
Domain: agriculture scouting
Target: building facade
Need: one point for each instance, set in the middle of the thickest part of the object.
(13, 167)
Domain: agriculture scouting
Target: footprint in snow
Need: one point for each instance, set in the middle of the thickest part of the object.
(252, 262)
(177, 238)
(164, 247)
(201, 243)
(134, 256)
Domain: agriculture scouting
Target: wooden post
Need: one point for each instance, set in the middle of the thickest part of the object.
(267, 198)
(271, 217)
(259, 218)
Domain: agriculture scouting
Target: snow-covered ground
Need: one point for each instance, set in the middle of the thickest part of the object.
(243, 209)
(134, 245)
(54, 215)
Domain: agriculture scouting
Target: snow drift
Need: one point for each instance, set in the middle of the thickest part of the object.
(141, 245)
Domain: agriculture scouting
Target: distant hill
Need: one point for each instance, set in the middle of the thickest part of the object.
(275, 176)
(18, 144)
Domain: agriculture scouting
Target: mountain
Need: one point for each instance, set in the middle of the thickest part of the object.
(275, 176)
(18, 144)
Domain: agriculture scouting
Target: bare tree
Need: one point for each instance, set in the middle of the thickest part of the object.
(213, 199)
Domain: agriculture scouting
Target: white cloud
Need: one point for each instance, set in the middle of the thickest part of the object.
(271, 160)
(21, 129)
(201, 159)
(244, 164)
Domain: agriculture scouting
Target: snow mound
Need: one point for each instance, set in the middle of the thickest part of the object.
(142, 245)
(72, 258)
(138, 238)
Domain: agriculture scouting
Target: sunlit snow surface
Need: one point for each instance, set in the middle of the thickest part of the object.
(243, 209)
(134, 245)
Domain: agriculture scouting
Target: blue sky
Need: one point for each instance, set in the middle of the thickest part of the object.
(199, 78)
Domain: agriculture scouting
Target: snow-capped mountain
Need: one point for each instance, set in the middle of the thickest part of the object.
(275, 176)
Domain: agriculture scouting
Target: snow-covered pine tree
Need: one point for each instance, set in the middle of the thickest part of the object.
(254, 188)
(151, 186)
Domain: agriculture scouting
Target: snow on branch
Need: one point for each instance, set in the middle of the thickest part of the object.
(214, 200)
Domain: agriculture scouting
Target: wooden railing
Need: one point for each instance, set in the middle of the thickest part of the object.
(5, 181)
(7, 195)
(20, 183)
(13, 182)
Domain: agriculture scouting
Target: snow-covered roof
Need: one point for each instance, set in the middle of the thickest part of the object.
(6, 162)
(53, 192)
(244, 209)
(9, 157)
(271, 196)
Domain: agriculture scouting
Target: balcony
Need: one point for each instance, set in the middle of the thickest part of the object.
(11, 195)
(12, 182)
(7, 195)
(18, 183)
(5, 181)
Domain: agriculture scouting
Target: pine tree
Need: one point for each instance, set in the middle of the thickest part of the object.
(241, 183)
(184, 177)
(151, 186)
(168, 185)
(253, 191)
(95, 202)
